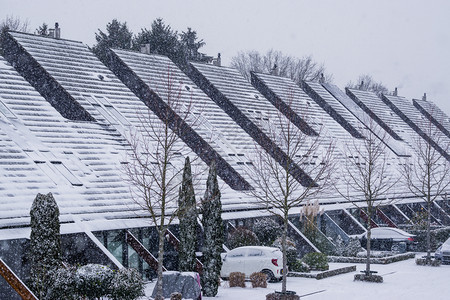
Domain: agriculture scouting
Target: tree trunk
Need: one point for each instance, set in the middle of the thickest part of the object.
(369, 235)
(428, 230)
(159, 283)
(283, 247)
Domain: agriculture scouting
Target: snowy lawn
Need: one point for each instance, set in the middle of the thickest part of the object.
(402, 280)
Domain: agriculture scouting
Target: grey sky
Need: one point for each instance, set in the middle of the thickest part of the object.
(403, 43)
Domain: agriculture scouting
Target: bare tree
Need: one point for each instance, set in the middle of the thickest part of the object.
(366, 82)
(14, 24)
(151, 169)
(368, 176)
(427, 173)
(275, 187)
(277, 63)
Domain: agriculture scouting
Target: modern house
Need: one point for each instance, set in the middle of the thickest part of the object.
(68, 123)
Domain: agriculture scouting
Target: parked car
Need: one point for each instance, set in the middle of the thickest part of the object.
(250, 259)
(443, 252)
(389, 239)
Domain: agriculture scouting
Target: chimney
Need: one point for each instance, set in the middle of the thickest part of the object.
(274, 70)
(424, 97)
(217, 61)
(51, 33)
(361, 85)
(395, 93)
(57, 31)
(145, 48)
(322, 78)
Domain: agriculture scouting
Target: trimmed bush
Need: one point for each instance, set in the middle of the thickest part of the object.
(64, 284)
(242, 237)
(93, 281)
(289, 295)
(299, 266)
(127, 284)
(428, 262)
(316, 261)
(368, 278)
(258, 279)
(237, 279)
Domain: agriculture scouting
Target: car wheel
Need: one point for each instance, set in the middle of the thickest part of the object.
(269, 274)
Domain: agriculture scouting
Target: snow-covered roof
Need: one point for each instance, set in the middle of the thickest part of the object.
(65, 123)
(92, 150)
(419, 123)
(45, 152)
(353, 112)
(212, 129)
(435, 114)
(248, 108)
(384, 116)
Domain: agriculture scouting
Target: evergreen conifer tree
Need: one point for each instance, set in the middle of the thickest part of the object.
(45, 242)
(117, 36)
(213, 234)
(187, 214)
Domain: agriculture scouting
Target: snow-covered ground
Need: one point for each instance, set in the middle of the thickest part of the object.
(402, 280)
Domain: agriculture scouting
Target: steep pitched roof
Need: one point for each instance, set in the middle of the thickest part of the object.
(248, 108)
(340, 104)
(435, 114)
(73, 67)
(210, 132)
(77, 161)
(425, 128)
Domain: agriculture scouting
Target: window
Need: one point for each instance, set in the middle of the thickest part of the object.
(237, 253)
(107, 110)
(254, 252)
(5, 110)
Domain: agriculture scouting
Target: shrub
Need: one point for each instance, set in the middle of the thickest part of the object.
(267, 230)
(369, 278)
(351, 249)
(289, 295)
(258, 279)
(317, 261)
(63, 284)
(237, 279)
(93, 281)
(299, 266)
(242, 237)
(428, 262)
(127, 284)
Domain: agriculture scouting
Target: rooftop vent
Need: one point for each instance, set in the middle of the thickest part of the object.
(424, 97)
(145, 48)
(55, 32)
(217, 61)
(274, 70)
(322, 78)
(395, 93)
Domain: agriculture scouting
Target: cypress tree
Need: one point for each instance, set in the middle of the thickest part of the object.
(213, 234)
(45, 242)
(187, 214)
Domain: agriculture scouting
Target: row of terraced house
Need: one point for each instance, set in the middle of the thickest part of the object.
(66, 120)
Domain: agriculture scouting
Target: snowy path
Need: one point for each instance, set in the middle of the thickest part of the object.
(402, 280)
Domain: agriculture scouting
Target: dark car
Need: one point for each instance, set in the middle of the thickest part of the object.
(443, 252)
(389, 239)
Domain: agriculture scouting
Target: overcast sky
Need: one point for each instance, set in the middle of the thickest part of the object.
(402, 43)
